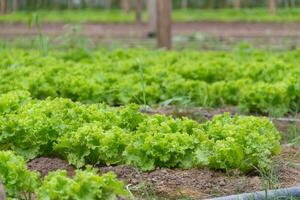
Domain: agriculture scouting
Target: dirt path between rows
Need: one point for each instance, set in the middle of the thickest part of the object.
(218, 29)
(194, 183)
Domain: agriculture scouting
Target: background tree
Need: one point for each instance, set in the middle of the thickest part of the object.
(138, 11)
(125, 5)
(164, 24)
(237, 4)
(15, 5)
(272, 7)
(3, 6)
(152, 17)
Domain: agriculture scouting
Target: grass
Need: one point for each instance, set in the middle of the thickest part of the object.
(76, 16)
(232, 15)
(292, 136)
(181, 15)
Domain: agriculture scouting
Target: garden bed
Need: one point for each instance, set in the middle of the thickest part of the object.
(194, 183)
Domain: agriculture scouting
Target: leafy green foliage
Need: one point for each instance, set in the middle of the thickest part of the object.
(91, 144)
(32, 129)
(162, 141)
(18, 181)
(84, 185)
(256, 81)
(99, 134)
(239, 142)
(183, 15)
(13, 100)
(21, 183)
(266, 98)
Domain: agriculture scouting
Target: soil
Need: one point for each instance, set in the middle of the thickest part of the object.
(45, 165)
(127, 30)
(194, 183)
(288, 167)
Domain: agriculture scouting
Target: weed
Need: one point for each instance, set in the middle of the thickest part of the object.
(43, 40)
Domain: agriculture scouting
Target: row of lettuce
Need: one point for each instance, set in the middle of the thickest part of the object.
(255, 81)
(49, 106)
(94, 134)
(20, 183)
(99, 134)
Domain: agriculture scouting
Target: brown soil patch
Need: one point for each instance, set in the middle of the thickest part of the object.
(194, 183)
(217, 29)
(45, 165)
(289, 167)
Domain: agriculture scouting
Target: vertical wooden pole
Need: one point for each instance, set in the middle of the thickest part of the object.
(3, 6)
(152, 16)
(138, 11)
(272, 7)
(237, 4)
(15, 5)
(164, 24)
(125, 6)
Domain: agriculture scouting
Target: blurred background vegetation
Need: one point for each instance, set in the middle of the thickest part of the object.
(115, 23)
(12, 5)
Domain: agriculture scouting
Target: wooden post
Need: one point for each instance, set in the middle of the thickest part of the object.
(2, 192)
(15, 5)
(237, 4)
(272, 7)
(125, 6)
(164, 23)
(152, 17)
(3, 6)
(138, 11)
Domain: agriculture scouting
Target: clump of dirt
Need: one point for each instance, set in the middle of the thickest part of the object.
(45, 165)
(194, 183)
